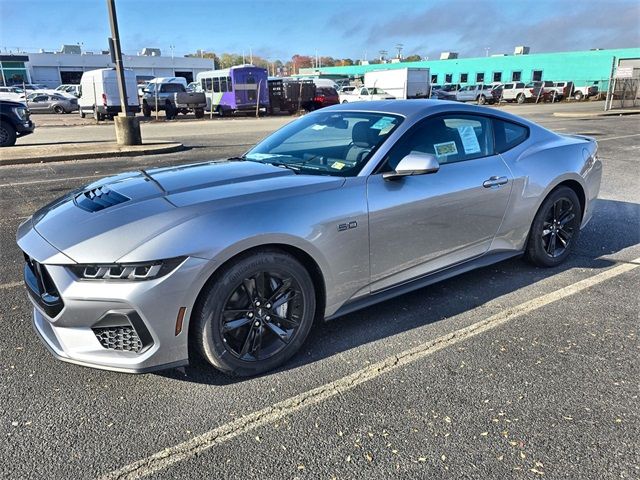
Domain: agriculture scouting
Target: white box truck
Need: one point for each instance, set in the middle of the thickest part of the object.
(99, 94)
(402, 83)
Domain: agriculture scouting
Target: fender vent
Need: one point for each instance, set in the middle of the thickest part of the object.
(98, 199)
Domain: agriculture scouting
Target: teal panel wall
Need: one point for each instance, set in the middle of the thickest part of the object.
(585, 67)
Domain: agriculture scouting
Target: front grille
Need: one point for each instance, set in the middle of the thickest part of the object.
(118, 338)
(99, 198)
(41, 287)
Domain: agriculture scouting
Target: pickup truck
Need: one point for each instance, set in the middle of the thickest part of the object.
(582, 93)
(14, 122)
(480, 93)
(365, 94)
(173, 98)
(520, 92)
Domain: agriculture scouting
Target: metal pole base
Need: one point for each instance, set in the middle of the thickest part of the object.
(127, 130)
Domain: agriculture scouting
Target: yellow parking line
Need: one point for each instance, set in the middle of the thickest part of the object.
(195, 446)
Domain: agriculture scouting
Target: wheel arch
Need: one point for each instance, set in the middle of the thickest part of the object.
(307, 261)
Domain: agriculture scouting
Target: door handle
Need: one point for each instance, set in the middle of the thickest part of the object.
(494, 182)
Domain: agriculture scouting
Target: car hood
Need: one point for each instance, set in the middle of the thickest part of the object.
(107, 219)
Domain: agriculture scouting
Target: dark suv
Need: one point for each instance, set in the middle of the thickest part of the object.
(14, 122)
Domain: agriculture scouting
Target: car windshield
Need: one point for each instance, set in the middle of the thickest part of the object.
(326, 143)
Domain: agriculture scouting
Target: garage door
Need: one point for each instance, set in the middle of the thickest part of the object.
(48, 76)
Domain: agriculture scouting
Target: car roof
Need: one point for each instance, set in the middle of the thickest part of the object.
(422, 108)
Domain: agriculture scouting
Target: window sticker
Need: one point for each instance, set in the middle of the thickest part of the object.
(337, 165)
(446, 148)
(469, 139)
(383, 123)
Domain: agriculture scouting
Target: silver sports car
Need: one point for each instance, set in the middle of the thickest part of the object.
(345, 207)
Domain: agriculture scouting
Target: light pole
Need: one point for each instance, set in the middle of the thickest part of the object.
(127, 126)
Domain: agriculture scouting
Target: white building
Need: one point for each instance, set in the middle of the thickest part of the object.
(54, 68)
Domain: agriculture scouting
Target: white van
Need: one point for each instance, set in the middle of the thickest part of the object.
(99, 94)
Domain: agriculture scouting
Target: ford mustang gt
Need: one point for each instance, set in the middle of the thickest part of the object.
(350, 205)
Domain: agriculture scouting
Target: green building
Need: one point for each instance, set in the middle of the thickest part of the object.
(583, 68)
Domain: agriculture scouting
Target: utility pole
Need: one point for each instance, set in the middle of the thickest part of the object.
(127, 126)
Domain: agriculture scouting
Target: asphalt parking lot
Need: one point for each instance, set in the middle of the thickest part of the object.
(507, 372)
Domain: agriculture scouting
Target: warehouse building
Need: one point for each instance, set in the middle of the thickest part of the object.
(67, 65)
(592, 67)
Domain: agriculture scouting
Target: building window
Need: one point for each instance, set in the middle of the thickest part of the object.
(516, 76)
(434, 79)
(448, 78)
(537, 76)
(497, 76)
(479, 77)
(464, 77)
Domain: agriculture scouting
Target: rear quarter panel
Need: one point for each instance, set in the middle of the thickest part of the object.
(539, 165)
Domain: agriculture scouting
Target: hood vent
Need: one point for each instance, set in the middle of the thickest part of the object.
(98, 199)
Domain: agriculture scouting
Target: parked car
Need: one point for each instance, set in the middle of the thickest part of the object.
(14, 122)
(325, 97)
(13, 94)
(170, 94)
(365, 94)
(69, 88)
(585, 91)
(338, 210)
(100, 96)
(31, 87)
(540, 90)
(516, 92)
(481, 93)
(51, 103)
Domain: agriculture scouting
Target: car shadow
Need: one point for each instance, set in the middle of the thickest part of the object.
(603, 236)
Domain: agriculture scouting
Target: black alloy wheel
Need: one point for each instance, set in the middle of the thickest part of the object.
(255, 313)
(555, 228)
(558, 227)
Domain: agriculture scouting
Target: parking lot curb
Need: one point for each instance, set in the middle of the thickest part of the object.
(80, 151)
(610, 113)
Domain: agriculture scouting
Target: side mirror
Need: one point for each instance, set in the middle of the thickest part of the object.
(414, 164)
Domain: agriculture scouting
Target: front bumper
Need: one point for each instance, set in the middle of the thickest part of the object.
(125, 326)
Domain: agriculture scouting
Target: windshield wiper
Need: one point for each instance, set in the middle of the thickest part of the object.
(285, 165)
(242, 158)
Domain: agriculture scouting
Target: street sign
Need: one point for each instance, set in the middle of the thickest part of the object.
(624, 72)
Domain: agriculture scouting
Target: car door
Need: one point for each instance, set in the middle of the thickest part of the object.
(363, 94)
(38, 103)
(423, 223)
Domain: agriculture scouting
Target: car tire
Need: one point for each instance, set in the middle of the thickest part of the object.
(520, 98)
(199, 112)
(344, 101)
(7, 135)
(97, 116)
(578, 96)
(482, 100)
(247, 340)
(555, 228)
(82, 114)
(146, 110)
(58, 109)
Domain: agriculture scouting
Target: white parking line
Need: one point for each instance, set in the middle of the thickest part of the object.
(5, 286)
(616, 138)
(190, 448)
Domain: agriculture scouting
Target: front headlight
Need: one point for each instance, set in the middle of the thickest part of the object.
(21, 112)
(127, 271)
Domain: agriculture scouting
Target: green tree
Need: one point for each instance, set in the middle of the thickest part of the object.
(413, 58)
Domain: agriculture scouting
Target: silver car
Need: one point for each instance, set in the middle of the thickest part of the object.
(51, 102)
(340, 209)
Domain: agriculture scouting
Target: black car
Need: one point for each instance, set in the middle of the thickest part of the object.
(14, 122)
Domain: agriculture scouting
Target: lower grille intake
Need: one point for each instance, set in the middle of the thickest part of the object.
(118, 338)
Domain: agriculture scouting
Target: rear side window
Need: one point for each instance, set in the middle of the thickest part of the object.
(508, 135)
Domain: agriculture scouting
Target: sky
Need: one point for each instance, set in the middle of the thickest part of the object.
(341, 29)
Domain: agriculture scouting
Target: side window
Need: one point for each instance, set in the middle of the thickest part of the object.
(508, 135)
(223, 84)
(451, 138)
(229, 86)
(216, 85)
